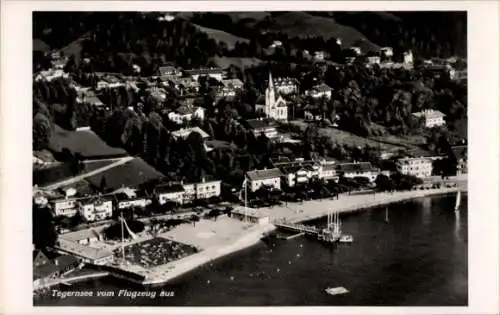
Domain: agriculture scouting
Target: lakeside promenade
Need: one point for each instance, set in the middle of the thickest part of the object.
(224, 236)
(294, 213)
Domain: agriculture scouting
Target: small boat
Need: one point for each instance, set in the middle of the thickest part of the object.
(457, 202)
(346, 239)
(336, 291)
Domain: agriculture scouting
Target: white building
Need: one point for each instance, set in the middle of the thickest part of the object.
(64, 206)
(186, 113)
(386, 51)
(170, 192)
(51, 74)
(356, 50)
(431, 117)
(109, 82)
(215, 73)
(372, 60)
(96, 208)
(124, 201)
(284, 85)
(202, 190)
(320, 91)
(274, 107)
(265, 177)
(408, 57)
(299, 172)
(358, 169)
(419, 167)
(329, 172)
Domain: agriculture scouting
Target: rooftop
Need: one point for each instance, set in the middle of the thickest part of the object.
(204, 71)
(429, 113)
(169, 188)
(355, 167)
(264, 174)
(260, 124)
(82, 234)
(184, 133)
(83, 251)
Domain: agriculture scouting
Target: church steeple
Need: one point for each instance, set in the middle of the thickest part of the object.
(270, 96)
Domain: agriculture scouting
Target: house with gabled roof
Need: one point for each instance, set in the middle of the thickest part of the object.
(266, 177)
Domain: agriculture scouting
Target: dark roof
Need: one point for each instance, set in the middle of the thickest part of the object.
(355, 167)
(44, 271)
(259, 124)
(184, 110)
(169, 188)
(204, 71)
(459, 152)
(264, 174)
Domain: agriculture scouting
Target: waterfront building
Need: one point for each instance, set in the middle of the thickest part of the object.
(88, 254)
(358, 169)
(250, 215)
(320, 91)
(329, 172)
(298, 172)
(432, 118)
(458, 155)
(274, 106)
(261, 126)
(65, 206)
(170, 192)
(96, 208)
(417, 166)
(126, 201)
(265, 177)
(202, 190)
(84, 237)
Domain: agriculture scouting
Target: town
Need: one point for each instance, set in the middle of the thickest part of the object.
(142, 163)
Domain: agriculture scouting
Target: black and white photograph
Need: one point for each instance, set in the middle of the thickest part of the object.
(250, 158)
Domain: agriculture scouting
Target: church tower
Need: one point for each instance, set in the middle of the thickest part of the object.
(270, 97)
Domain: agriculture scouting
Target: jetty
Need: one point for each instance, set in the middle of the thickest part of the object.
(332, 233)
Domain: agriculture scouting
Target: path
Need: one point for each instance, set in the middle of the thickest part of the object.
(83, 176)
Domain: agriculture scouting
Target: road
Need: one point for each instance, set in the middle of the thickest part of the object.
(75, 179)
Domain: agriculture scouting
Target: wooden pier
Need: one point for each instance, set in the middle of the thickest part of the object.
(298, 228)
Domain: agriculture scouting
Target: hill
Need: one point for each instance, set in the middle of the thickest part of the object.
(302, 25)
(240, 62)
(221, 36)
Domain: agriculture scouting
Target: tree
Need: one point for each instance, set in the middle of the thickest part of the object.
(384, 183)
(44, 232)
(42, 132)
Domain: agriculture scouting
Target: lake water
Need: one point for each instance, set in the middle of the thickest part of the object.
(417, 258)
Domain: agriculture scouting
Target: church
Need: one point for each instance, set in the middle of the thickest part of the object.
(273, 107)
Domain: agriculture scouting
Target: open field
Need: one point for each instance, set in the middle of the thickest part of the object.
(132, 173)
(86, 143)
(388, 143)
(302, 24)
(221, 36)
(241, 62)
